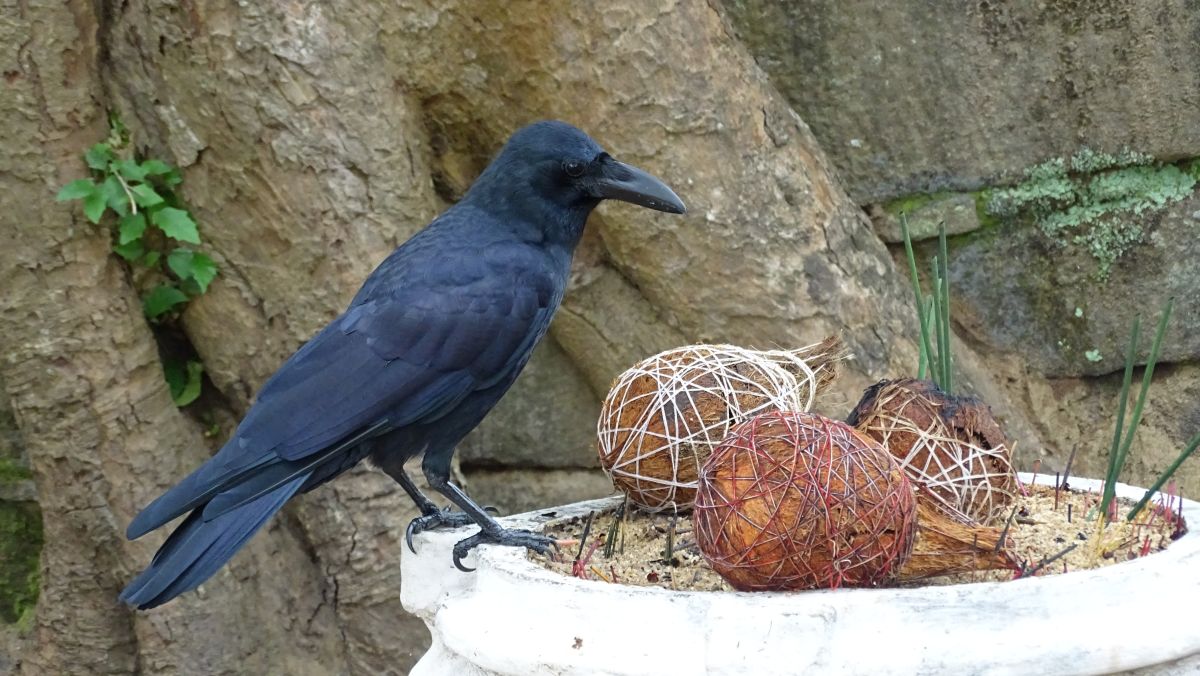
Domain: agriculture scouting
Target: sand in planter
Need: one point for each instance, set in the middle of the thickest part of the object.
(1037, 532)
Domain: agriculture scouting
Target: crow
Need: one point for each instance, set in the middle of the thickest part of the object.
(431, 342)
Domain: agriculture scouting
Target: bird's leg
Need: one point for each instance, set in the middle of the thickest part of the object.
(432, 516)
(401, 477)
(491, 532)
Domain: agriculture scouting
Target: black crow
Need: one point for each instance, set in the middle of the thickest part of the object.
(434, 338)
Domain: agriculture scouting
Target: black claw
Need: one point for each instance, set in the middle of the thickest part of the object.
(458, 564)
(492, 509)
(508, 538)
(438, 518)
(463, 547)
(408, 535)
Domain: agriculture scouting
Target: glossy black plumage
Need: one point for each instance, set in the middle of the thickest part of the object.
(434, 338)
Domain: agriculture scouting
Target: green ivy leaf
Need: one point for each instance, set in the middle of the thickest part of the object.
(161, 300)
(193, 266)
(156, 168)
(173, 177)
(175, 373)
(180, 262)
(204, 270)
(130, 251)
(176, 223)
(183, 380)
(98, 156)
(77, 189)
(151, 258)
(131, 227)
(130, 170)
(190, 264)
(93, 206)
(194, 382)
(145, 195)
(114, 195)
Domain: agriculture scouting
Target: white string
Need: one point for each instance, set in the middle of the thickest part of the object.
(663, 417)
(966, 480)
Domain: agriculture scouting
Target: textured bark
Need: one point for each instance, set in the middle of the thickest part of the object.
(312, 141)
(303, 160)
(19, 518)
(306, 164)
(103, 436)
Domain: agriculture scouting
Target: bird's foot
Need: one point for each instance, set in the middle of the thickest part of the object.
(437, 518)
(506, 537)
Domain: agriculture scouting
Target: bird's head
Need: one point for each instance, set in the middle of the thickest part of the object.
(554, 165)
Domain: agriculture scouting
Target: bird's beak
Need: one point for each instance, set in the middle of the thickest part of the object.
(620, 181)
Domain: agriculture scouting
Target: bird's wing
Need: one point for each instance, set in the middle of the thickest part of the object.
(388, 362)
(406, 359)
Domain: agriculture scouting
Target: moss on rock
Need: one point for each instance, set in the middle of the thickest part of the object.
(910, 203)
(1193, 169)
(925, 213)
(11, 470)
(20, 549)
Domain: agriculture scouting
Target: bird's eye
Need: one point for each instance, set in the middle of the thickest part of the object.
(573, 168)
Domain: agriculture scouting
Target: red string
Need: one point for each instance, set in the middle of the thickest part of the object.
(793, 500)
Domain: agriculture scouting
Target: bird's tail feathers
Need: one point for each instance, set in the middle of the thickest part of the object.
(195, 490)
(227, 481)
(198, 548)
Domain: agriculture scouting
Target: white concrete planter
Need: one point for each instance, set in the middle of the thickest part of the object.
(513, 617)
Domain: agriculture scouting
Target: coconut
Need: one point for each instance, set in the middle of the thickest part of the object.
(793, 500)
(947, 545)
(951, 447)
(662, 417)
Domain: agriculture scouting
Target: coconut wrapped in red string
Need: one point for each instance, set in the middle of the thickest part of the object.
(950, 446)
(793, 500)
(662, 417)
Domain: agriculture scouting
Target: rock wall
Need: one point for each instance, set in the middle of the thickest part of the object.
(934, 109)
(916, 97)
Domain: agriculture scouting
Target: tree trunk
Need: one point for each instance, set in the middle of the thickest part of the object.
(312, 141)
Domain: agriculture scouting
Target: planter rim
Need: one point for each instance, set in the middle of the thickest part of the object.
(1085, 622)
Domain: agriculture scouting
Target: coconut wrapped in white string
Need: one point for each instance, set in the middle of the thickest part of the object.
(663, 417)
(951, 447)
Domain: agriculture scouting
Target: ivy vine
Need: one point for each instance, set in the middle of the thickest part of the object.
(152, 230)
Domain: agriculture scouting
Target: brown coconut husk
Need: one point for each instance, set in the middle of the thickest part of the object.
(950, 446)
(948, 546)
(793, 500)
(662, 417)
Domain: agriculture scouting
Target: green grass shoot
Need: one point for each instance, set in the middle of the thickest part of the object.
(1164, 477)
(1123, 436)
(933, 312)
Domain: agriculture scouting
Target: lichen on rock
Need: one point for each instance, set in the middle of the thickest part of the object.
(1094, 199)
